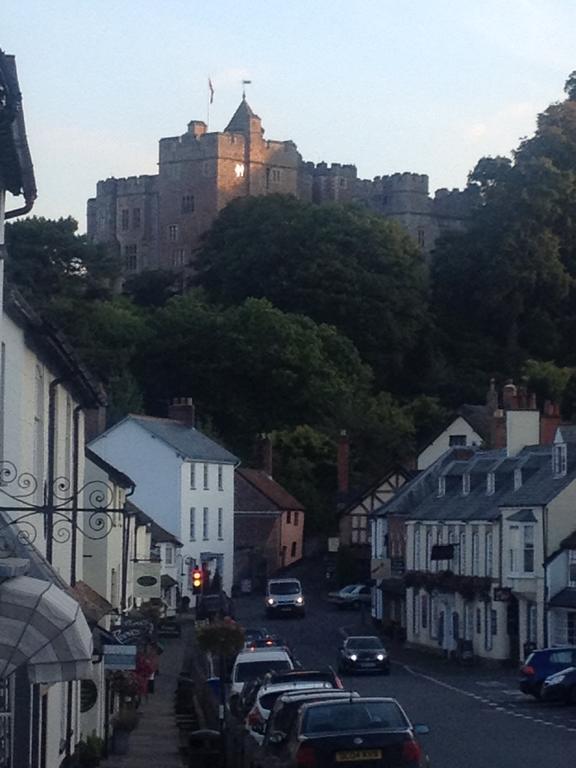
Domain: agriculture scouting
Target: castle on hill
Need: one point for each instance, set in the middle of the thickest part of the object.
(156, 221)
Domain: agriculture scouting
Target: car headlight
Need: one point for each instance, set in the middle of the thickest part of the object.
(380, 657)
(300, 600)
(353, 657)
(270, 601)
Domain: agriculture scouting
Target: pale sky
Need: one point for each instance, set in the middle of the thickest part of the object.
(427, 86)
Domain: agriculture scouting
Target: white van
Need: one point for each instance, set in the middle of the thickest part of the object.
(251, 664)
(284, 596)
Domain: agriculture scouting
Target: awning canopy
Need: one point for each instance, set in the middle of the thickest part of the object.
(44, 628)
(166, 581)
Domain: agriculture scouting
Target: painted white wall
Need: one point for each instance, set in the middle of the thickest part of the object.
(212, 499)
(441, 444)
(152, 464)
(163, 491)
(522, 429)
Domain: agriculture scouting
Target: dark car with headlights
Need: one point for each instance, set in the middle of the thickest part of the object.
(355, 730)
(364, 653)
(561, 686)
(541, 664)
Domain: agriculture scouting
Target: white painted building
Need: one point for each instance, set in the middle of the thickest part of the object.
(184, 482)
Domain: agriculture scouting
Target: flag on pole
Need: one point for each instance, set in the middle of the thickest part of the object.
(211, 89)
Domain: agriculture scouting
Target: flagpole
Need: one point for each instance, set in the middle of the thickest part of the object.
(208, 105)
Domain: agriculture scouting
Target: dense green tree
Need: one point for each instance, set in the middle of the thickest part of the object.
(504, 290)
(48, 258)
(339, 265)
(152, 288)
(547, 380)
(251, 368)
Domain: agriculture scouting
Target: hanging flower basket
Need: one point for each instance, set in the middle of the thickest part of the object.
(224, 637)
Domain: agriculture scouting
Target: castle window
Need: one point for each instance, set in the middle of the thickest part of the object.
(276, 175)
(421, 237)
(173, 233)
(125, 218)
(131, 257)
(136, 218)
(178, 257)
(343, 183)
(207, 168)
(239, 170)
(188, 204)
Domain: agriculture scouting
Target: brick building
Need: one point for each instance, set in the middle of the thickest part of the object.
(155, 221)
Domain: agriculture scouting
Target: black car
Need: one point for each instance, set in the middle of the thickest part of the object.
(284, 714)
(364, 653)
(561, 686)
(214, 606)
(363, 731)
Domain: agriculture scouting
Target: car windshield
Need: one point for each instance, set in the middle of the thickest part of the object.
(284, 588)
(250, 670)
(363, 643)
(353, 716)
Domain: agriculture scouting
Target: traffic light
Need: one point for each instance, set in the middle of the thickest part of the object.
(197, 581)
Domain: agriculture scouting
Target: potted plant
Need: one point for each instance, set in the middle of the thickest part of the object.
(123, 723)
(89, 752)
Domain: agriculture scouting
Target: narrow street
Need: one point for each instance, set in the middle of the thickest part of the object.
(477, 716)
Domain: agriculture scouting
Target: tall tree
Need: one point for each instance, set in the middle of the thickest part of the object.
(339, 265)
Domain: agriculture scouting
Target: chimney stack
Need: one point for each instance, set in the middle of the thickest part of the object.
(343, 463)
(549, 422)
(264, 454)
(509, 396)
(492, 397)
(182, 409)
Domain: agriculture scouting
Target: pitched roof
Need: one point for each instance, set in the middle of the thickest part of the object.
(93, 605)
(159, 535)
(240, 120)
(419, 498)
(358, 496)
(114, 474)
(479, 418)
(188, 441)
(255, 491)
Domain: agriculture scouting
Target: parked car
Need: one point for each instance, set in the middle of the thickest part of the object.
(254, 635)
(284, 596)
(561, 686)
(252, 664)
(363, 731)
(301, 677)
(363, 654)
(213, 606)
(352, 596)
(266, 698)
(541, 664)
(284, 713)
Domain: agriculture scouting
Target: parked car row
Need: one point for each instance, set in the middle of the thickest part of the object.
(550, 674)
(299, 717)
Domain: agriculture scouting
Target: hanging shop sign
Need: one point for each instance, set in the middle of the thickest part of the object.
(118, 657)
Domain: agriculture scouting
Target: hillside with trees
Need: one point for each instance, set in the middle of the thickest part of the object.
(304, 320)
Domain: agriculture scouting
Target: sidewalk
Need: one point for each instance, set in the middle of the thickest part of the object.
(154, 743)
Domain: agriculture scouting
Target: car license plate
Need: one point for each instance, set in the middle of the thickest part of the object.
(368, 663)
(355, 755)
(286, 608)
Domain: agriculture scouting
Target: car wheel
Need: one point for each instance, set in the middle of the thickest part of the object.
(537, 691)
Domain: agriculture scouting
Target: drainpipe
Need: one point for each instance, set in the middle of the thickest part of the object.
(126, 518)
(49, 500)
(545, 548)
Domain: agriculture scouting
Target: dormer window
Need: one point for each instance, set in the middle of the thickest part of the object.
(441, 486)
(490, 483)
(559, 459)
(517, 479)
(466, 484)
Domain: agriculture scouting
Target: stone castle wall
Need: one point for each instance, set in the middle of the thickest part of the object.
(158, 221)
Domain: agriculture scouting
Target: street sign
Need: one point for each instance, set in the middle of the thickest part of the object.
(119, 656)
